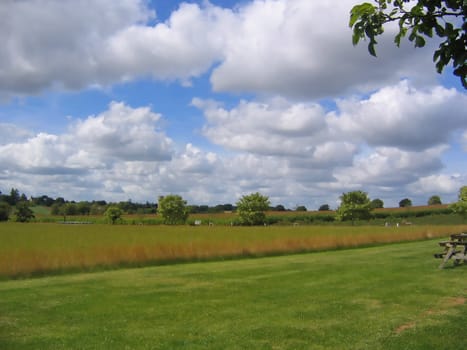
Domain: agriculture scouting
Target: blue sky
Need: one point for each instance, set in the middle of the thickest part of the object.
(213, 100)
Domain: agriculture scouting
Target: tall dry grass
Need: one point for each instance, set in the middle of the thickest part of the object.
(34, 249)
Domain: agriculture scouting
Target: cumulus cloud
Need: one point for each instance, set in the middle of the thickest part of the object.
(47, 42)
(393, 167)
(11, 133)
(124, 133)
(403, 116)
(439, 184)
(121, 133)
(303, 48)
(464, 140)
(294, 48)
(276, 127)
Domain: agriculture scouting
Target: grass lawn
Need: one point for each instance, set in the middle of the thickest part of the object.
(386, 297)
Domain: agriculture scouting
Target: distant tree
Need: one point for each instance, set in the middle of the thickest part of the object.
(219, 208)
(251, 209)
(97, 209)
(43, 200)
(354, 206)
(301, 208)
(404, 203)
(113, 213)
(70, 209)
(434, 200)
(55, 209)
(228, 207)
(421, 20)
(173, 209)
(13, 198)
(23, 212)
(324, 207)
(279, 207)
(60, 200)
(83, 208)
(376, 204)
(5, 210)
(460, 207)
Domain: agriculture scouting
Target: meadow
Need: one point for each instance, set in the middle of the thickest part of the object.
(382, 297)
(40, 249)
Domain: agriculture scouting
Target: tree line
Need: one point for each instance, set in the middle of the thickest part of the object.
(173, 209)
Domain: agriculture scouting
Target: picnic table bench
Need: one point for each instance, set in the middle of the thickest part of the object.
(455, 248)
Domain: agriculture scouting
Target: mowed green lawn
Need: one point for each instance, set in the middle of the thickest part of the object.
(386, 297)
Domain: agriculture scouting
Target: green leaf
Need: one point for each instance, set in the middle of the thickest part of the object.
(419, 41)
(359, 11)
(355, 39)
(371, 48)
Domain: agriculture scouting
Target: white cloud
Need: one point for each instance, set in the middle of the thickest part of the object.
(48, 42)
(403, 116)
(390, 167)
(11, 133)
(123, 133)
(464, 140)
(294, 47)
(440, 184)
(303, 48)
(276, 127)
(120, 133)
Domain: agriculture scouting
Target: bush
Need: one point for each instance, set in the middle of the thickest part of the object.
(5, 210)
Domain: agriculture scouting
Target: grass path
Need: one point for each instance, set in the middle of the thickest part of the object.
(388, 297)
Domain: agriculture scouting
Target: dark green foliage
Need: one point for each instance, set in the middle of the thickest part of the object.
(279, 207)
(23, 212)
(460, 207)
(425, 19)
(434, 200)
(376, 204)
(173, 209)
(113, 214)
(5, 210)
(354, 206)
(324, 207)
(251, 209)
(300, 208)
(404, 203)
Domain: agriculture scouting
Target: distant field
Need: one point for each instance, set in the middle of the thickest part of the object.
(380, 298)
(38, 249)
(421, 215)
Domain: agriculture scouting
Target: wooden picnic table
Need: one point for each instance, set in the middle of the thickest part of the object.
(455, 248)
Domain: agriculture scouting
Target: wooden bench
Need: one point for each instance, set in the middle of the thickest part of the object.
(455, 248)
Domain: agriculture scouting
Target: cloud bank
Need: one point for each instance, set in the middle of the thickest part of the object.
(306, 44)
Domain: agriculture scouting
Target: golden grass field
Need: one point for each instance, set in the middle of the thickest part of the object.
(35, 249)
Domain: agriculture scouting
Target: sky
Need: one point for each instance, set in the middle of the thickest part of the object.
(213, 100)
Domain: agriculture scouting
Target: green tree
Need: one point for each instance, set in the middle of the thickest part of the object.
(84, 208)
(23, 212)
(173, 209)
(405, 203)
(300, 208)
(251, 209)
(279, 207)
(460, 207)
(13, 198)
(354, 206)
(419, 20)
(376, 203)
(434, 200)
(5, 210)
(324, 207)
(113, 214)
